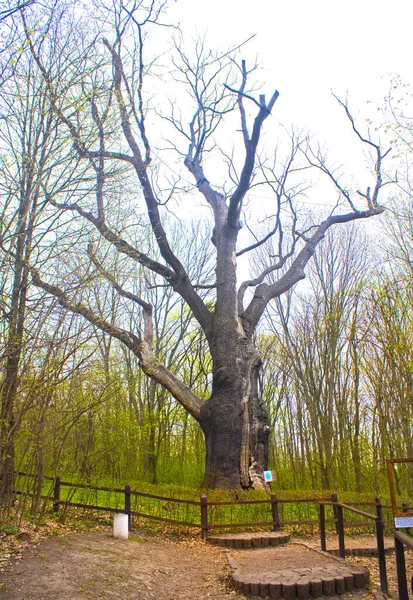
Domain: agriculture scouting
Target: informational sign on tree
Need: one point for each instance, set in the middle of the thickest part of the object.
(270, 476)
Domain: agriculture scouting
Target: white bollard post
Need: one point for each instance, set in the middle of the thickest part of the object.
(120, 526)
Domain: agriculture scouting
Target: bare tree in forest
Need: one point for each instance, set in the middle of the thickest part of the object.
(26, 133)
(32, 148)
(319, 340)
(107, 117)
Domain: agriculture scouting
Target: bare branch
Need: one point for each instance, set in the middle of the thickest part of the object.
(5, 14)
(251, 144)
(264, 292)
(192, 298)
(373, 199)
(147, 308)
(149, 363)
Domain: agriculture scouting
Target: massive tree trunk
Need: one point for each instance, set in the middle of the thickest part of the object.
(235, 422)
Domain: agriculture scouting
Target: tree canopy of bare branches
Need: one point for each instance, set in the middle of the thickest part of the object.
(99, 81)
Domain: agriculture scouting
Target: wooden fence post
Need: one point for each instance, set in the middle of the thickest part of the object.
(380, 546)
(340, 525)
(323, 527)
(334, 498)
(274, 512)
(127, 505)
(381, 555)
(56, 494)
(339, 518)
(379, 509)
(401, 570)
(204, 516)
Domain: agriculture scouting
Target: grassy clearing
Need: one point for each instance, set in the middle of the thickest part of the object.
(166, 508)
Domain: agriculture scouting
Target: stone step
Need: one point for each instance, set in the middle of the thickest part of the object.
(247, 541)
(303, 583)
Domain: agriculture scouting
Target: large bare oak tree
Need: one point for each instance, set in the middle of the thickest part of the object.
(97, 91)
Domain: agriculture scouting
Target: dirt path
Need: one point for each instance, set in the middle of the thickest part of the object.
(95, 566)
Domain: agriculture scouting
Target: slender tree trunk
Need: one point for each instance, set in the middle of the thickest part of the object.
(149, 452)
(7, 451)
(9, 388)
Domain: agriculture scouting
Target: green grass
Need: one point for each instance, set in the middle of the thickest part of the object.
(8, 529)
(221, 514)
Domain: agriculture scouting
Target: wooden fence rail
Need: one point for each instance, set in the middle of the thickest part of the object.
(339, 509)
(204, 518)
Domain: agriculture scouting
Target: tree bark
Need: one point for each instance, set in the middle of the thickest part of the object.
(9, 388)
(235, 423)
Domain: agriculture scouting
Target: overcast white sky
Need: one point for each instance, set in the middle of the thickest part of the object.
(310, 48)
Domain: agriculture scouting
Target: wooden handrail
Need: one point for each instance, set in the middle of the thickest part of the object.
(405, 539)
(356, 511)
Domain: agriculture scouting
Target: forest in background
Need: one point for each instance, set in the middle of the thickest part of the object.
(337, 380)
(337, 349)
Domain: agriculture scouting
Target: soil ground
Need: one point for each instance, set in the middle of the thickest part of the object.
(94, 566)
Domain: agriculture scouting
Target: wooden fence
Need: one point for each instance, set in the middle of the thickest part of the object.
(204, 514)
(339, 509)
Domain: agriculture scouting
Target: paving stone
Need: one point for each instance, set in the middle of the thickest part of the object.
(246, 588)
(349, 582)
(340, 585)
(329, 586)
(268, 538)
(264, 590)
(320, 569)
(303, 590)
(288, 573)
(359, 580)
(237, 584)
(290, 583)
(256, 542)
(288, 589)
(255, 588)
(316, 588)
(275, 590)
